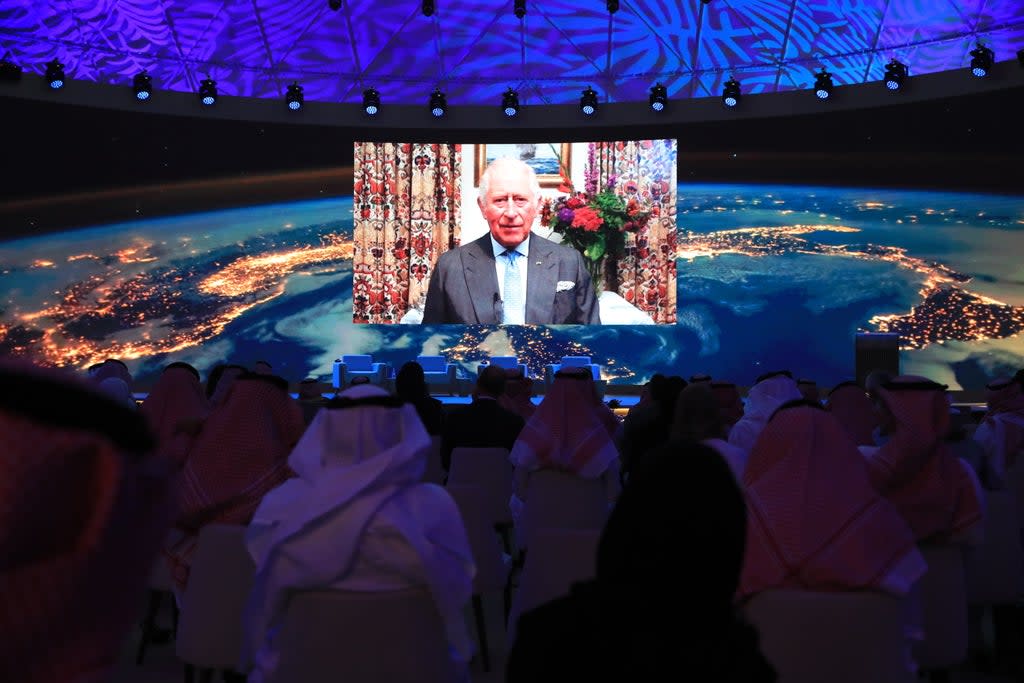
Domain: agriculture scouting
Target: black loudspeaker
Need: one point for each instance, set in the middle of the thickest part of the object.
(876, 351)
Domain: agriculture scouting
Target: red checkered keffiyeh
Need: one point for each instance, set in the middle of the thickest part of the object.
(934, 491)
(239, 456)
(814, 520)
(177, 396)
(82, 514)
(1001, 432)
(855, 411)
(571, 430)
(518, 391)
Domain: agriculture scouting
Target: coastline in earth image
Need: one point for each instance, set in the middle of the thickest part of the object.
(769, 277)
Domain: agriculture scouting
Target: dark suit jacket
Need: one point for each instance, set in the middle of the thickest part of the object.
(481, 424)
(464, 286)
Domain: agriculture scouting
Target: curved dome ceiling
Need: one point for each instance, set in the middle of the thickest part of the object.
(475, 49)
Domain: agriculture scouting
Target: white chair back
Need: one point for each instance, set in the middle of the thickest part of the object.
(811, 637)
(489, 469)
(942, 593)
(556, 559)
(210, 629)
(561, 500)
(491, 570)
(358, 637)
(995, 569)
(434, 472)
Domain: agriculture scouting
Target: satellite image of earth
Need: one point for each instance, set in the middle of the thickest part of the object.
(769, 277)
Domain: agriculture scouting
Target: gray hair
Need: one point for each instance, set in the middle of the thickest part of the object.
(485, 177)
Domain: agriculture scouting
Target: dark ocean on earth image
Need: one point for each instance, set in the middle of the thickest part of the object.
(769, 277)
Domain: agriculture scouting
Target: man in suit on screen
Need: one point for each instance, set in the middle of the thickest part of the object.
(509, 275)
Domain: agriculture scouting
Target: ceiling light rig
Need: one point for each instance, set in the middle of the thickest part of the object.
(659, 97)
(334, 4)
(823, 84)
(731, 93)
(428, 8)
(55, 74)
(208, 92)
(438, 103)
(982, 59)
(588, 101)
(510, 103)
(519, 8)
(613, 6)
(371, 102)
(293, 98)
(895, 73)
(142, 86)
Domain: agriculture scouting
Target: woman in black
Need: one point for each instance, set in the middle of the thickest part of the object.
(411, 386)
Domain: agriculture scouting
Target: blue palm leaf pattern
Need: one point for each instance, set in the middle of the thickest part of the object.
(476, 48)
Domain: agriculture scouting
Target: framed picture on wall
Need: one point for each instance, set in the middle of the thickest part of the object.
(545, 158)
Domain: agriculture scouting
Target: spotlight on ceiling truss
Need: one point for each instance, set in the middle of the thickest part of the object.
(428, 8)
(982, 59)
(208, 92)
(895, 73)
(823, 84)
(334, 4)
(519, 8)
(613, 6)
(438, 103)
(731, 94)
(55, 74)
(659, 97)
(371, 101)
(142, 86)
(588, 101)
(293, 98)
(510, 103)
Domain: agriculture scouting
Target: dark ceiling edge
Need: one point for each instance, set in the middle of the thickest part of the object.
(484, 123)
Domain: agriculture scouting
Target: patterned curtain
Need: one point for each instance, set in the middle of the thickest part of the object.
(646, 170)
(406, 210)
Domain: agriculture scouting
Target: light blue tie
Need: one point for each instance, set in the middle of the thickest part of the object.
(513, 311)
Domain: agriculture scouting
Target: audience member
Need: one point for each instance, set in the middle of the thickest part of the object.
(357, 518)
(518, 394)
(83, 507)
(937, 494)
(112, 367)
(262, 367)
(769, 392)
(1001, 432)
(850, 405)
(217, 389)
(815, 522)
(483, 423)
(730, 403)
(411, 387)
(571, 432)
(697, 418)
(623, 625)
(311, 399)
(174, 408)
(117, 389)
(647, 426)
(238, 455)
(808, 388)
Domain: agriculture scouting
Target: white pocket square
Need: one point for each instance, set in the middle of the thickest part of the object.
(564, 285)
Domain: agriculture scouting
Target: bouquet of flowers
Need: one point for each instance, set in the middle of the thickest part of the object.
(595, 224)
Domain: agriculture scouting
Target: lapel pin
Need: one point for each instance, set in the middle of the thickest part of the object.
(538, 263)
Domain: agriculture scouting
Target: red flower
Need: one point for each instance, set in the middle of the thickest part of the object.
(575, 203)
(588, 219)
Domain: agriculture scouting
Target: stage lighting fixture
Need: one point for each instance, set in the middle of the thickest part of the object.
(895, 73)
(588, 101)
(208, 92)
(334, 4)
(519, 8)
(9, 71)
(428, 8)
(294, 97)
(982, 59)
(613, 6)
(823, 85)
(510, 103)
(55, 74)
(371, 102)
(659, 97)
(731, 93)
(438, 103)
(142, 85)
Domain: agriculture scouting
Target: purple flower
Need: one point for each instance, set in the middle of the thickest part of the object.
(566, 215)
(611, 182)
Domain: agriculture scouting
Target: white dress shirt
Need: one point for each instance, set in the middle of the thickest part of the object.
(501, 263)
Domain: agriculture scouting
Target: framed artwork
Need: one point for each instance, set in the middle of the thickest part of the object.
(545, 158)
